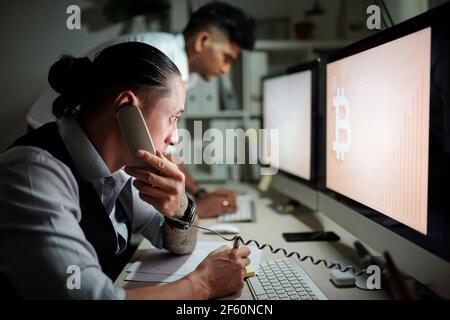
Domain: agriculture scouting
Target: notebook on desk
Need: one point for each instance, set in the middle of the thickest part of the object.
(157, 265)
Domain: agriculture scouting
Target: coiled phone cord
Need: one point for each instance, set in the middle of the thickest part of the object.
(327, 264)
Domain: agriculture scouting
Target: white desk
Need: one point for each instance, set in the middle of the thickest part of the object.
(268, 228)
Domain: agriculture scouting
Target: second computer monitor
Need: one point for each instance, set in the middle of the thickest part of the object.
(288, 100)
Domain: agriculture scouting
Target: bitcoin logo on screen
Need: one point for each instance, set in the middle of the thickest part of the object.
(341, 125)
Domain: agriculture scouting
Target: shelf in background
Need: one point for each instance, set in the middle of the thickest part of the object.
(292, 44)
(203, 176)
(223, 114)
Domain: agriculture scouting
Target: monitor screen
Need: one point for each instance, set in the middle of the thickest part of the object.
(385, 119)
(377, 142)
(287, 101)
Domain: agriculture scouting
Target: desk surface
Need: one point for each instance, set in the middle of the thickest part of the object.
(268, 228)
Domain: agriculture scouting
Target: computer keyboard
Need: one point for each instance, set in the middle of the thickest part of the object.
(283, 280)
(245, 213)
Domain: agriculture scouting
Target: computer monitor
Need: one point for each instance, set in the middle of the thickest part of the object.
(290, 106)
(386, 144)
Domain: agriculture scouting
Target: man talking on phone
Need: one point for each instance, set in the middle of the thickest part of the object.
(211, 41)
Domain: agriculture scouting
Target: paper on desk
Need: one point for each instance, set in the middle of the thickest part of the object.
(157, 265)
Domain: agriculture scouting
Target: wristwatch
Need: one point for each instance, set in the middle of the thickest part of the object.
(188, 217)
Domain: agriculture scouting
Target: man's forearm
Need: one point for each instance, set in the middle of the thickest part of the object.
(180, 241)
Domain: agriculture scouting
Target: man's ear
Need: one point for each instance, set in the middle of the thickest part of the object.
(202, 41)
(125, 97)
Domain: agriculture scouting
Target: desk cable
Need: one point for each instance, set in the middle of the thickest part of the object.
(238, 238)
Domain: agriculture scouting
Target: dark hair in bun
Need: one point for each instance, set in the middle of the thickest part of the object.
(125, 65)
(70, 77)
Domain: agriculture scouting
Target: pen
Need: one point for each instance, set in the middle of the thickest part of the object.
(236, 243)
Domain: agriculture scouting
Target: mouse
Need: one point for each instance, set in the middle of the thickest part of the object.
(222, 228)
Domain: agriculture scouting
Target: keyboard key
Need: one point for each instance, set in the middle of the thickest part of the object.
(278, 288)
(256, 285)
(289, 288)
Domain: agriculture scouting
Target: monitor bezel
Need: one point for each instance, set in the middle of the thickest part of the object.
(312, 66)
(408, 27)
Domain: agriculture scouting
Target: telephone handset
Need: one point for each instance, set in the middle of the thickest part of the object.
(135, 132)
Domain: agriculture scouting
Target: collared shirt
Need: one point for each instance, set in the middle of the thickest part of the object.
(40, 235)
(107, 185)
(172, 45)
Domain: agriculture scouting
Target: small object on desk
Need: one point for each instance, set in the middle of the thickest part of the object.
(264, 183)
(222, 228)
(288, 207)
(249, 272)
(310, 236)
(342, 279)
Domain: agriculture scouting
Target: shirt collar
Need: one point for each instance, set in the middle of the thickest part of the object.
(87, 161)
